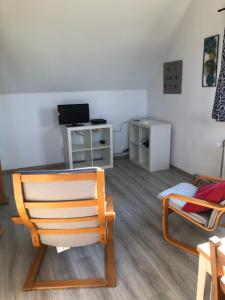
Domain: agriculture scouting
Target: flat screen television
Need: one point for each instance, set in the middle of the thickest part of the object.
(73, 114)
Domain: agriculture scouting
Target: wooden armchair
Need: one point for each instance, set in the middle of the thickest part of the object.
(65, 209)
(174, 199)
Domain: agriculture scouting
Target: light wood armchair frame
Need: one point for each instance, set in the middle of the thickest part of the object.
(105, 229)
(168, 209)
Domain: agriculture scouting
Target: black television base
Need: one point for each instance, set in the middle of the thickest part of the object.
(75, 125)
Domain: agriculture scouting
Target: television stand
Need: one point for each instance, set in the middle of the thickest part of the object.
(84, 147)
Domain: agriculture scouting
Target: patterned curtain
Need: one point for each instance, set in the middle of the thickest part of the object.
(219, 105)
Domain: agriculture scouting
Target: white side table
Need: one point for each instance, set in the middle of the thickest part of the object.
(205, 265)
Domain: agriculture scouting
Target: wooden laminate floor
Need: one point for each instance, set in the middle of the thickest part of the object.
(147, 267)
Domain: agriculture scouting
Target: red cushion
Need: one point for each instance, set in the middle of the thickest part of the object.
(214, 192)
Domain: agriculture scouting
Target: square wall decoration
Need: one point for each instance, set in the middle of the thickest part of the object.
(210, 61)
(172, 73)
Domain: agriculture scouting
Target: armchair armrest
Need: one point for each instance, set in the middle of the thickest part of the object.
(200, 202)
(110, 213)
(17, 220)
(206, 178)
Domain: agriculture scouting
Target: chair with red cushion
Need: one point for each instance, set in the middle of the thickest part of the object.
(202, 203)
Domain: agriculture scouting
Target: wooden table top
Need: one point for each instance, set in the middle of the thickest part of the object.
(204, 249)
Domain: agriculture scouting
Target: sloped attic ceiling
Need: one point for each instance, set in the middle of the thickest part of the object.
(70, 45)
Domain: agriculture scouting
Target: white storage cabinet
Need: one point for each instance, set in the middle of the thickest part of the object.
(156, 155)
(88, 146)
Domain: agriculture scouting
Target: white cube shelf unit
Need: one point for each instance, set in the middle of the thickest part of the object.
(88, 146)
(149, 143)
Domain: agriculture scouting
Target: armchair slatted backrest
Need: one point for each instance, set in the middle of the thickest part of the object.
(62, 208)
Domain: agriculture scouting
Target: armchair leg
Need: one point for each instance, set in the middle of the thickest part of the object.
(109, 281)
(34, 269)
(110, 258)
(169, 239)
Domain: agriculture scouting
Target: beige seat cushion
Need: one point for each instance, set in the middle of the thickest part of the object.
(70, 240)
(214, 216)
(62, 191)
(189, 190)
(184, 188)
(202, 218)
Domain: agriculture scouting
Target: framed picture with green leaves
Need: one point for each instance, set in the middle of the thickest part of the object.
(210, 61)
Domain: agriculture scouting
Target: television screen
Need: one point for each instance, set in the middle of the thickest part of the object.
(73, 114)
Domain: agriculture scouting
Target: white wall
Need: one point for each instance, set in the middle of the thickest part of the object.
(29, 129)
(83, 45)
(195, 134)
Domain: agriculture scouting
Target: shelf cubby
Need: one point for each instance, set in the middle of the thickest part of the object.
(101, 157)
(101, 134)
(134, 152)
(82, 159)
(144, 157)
(144, 134)
(134, 133)
(81, 140)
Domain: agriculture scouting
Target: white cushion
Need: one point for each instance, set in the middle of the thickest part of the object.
(61, 191)
(184, 188)
(189, 190)
(202, 218)
(70, 240)
(214, 216)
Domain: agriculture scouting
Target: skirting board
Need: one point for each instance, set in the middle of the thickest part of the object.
(62, 166)
(49, 166)
(181, 171)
